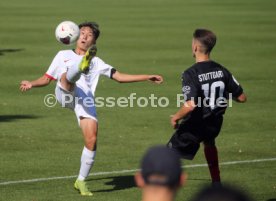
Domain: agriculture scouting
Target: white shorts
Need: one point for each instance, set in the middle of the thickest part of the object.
(79, 100)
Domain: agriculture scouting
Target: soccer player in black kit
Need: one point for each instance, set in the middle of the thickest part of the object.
(206, 87)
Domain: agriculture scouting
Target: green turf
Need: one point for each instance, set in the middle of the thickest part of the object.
(147, 36)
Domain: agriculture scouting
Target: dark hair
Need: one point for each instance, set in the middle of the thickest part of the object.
(224, 193)
(94, 26)
(206, 38)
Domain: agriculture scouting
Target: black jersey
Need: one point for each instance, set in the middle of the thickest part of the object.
(209, 85)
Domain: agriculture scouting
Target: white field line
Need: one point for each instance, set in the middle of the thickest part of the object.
(130, 171)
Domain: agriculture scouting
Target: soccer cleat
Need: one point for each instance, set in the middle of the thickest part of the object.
(86, 60)
(82, 188)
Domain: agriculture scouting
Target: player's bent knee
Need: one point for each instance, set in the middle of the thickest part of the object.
(90, 141)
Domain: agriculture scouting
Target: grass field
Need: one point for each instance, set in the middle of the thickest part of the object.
(146, 36)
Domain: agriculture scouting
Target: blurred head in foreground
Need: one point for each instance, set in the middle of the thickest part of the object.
(161, 174)
(223, 193)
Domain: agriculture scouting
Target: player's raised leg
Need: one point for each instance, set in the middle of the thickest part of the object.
(73, 74)
(89, 130)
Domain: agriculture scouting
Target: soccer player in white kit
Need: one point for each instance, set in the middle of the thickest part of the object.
(77, 73)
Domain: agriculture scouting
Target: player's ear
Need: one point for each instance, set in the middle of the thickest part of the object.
(139, 180)
(194, 45)
(195, 48)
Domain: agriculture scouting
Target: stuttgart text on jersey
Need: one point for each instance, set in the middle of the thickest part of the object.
(210, 76)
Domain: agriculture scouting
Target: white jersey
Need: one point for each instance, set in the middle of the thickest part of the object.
(67, 58)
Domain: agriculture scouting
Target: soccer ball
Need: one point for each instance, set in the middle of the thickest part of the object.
(67, 32)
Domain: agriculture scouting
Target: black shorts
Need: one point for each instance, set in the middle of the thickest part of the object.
(188, 136)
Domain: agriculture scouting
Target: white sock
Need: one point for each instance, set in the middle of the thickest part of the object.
(87, 160)
(73, 74)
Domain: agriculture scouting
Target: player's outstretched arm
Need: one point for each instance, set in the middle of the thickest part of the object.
(186, 109)
(125, 78)
(40, 82)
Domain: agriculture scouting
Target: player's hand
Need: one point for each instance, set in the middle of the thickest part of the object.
(156, 79)
(25, 85)
(174, 121)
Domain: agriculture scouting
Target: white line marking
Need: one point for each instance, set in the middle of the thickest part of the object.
(130, 171)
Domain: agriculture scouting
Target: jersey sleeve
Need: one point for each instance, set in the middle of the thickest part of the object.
(189, 87)
(233, 85)
(104, 69)
(52, 71)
